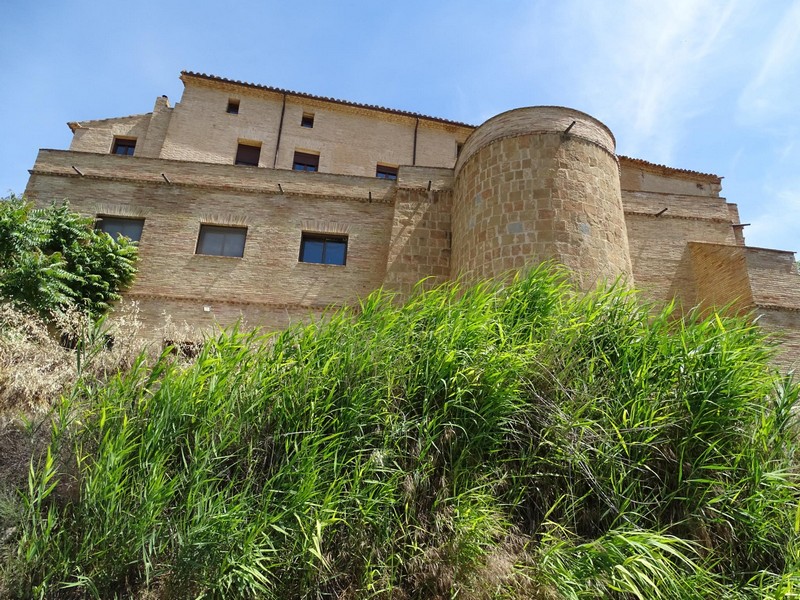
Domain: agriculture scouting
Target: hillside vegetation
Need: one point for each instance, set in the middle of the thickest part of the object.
(516, 442)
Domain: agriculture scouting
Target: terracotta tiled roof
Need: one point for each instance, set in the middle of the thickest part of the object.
(323, 98)
(669, 170)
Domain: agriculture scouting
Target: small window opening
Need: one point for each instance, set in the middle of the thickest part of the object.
(233, 106)
(386, 172)
(123, 146)
(459, 148)
(120, 226)
(307, 120)
(216, 240)
(303, 161)
(323, 249)
(248, 154)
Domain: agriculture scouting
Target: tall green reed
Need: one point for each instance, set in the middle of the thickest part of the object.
(475, 442)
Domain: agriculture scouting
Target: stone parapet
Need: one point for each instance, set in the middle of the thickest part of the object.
(87, 165)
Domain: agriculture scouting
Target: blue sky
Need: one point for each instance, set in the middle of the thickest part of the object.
(695, 84)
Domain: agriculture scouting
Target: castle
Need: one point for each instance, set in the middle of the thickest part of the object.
(253, 201)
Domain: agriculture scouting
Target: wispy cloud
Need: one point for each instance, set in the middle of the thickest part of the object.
(654, 67)
(775, 206)
(778, 218)
(772, 91)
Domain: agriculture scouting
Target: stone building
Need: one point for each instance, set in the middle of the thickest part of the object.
(253, 201)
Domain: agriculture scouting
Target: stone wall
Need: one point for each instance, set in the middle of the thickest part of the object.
(526, 192)
(783, 327)
(721, 277)
(774, 277)
(641, 176)
(349, 139)
(420, 243)
(658, 240)
(529, 185)
(269, 280)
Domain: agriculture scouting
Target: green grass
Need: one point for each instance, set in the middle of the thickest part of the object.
(517, 442)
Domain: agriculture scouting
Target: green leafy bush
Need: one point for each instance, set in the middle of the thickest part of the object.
(52, 259)
(517, 442)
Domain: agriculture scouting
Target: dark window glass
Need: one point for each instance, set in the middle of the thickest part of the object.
(307, 120)
(117, 226)
(123, 147)
(233, 107)
(247, 154)
(313, 250)
(305, 162)
(384, 172)
(221, 241)
(324, 249)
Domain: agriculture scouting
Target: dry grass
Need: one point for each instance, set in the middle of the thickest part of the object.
(37, 367)
(34, 368)
(40, 361)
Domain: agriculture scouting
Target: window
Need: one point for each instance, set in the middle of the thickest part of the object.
(233, 107)
(303, 161)
(324, 249)
(459, 147)
(221, 241)
(248, 154)
(123, 146)
(307, 120)
(386, 172)
(117, 226)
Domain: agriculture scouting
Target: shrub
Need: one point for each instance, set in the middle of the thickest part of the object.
(51, 260)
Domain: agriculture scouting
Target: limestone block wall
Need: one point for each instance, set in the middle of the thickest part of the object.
(525, 192)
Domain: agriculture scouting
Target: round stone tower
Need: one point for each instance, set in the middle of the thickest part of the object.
(535, 184)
